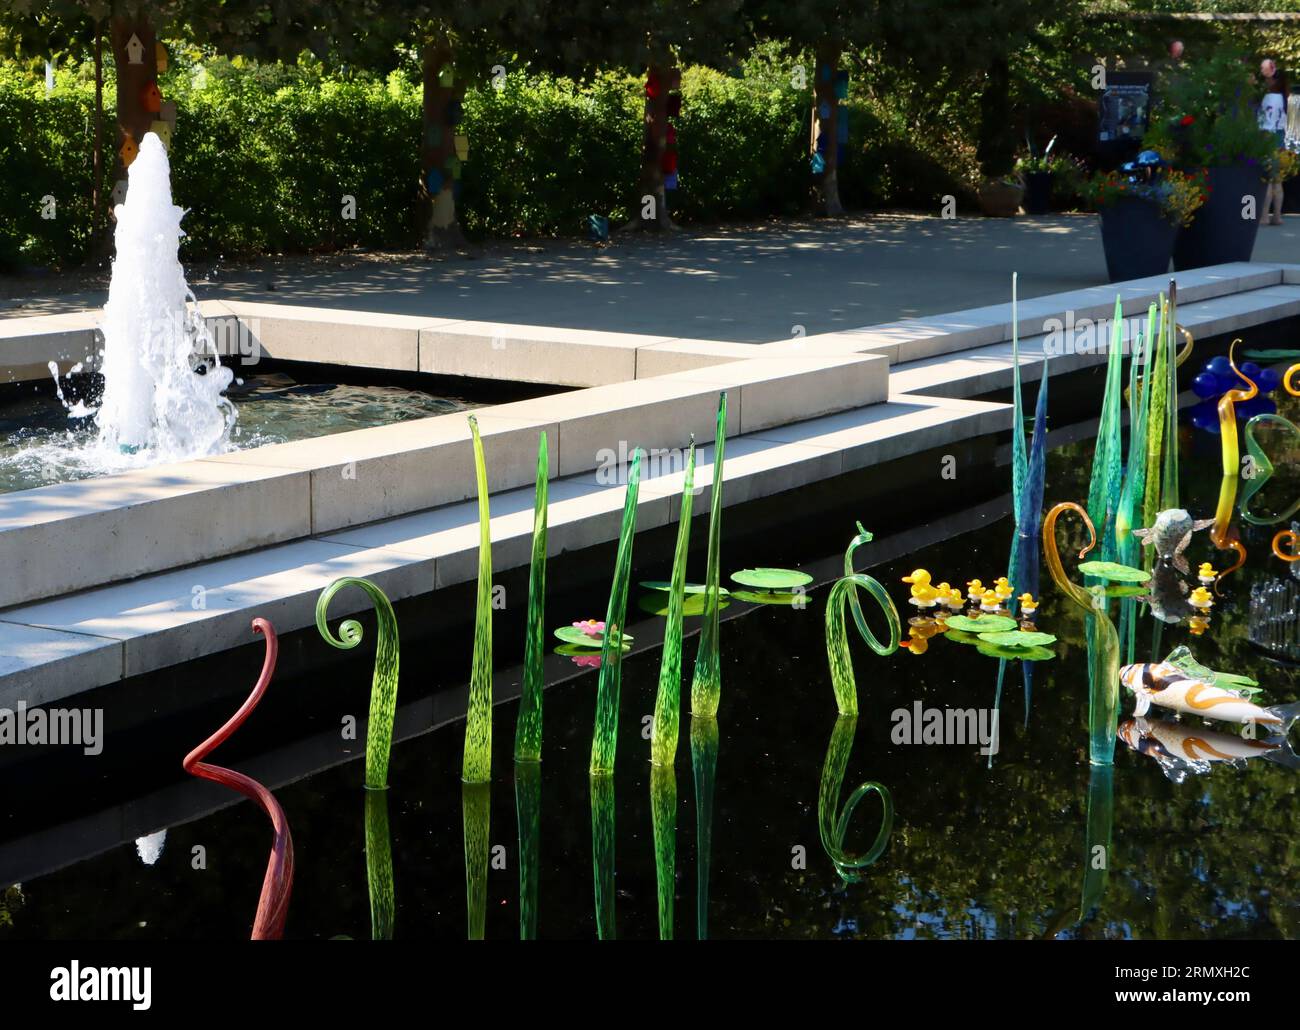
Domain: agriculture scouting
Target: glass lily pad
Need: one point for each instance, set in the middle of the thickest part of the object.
(1018, 638)
(1182, 658)
(1114, 571)
(690, 588)
(961, 637)
(573, 635)
(1023, 654)
(656, 603)
(771, 579)
(1126, 590)
(983, 624)
(575, 651)
(769, 597)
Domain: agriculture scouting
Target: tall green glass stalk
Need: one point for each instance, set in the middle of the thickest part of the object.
(379, 866)
(1157, 408)
(1019, 451)
(706, 685)
(476, 821)
(1169, 490)
(477, 765)
(1104, 488)
(832, 821)
(1097, 851)
(663, 809)
(704, 766)
(528, 730)
(528, 814)
(604, 741)
(668, 700)
(383, 684)
(602, 852)
(1134, 489)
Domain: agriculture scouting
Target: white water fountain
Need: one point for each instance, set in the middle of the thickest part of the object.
(156, 406)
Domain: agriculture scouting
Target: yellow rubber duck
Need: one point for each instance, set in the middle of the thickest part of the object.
(1201, 599)
(923, 594)
(989, 602)
(954, 599)
(974, 589)
(1002, 587)
(1206, 573)
(919, 633)
(1028, 605)
(1198, 624)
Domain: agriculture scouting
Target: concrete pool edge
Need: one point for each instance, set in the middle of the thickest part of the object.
(352, 504)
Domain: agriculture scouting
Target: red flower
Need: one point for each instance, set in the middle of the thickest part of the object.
(1186, 120)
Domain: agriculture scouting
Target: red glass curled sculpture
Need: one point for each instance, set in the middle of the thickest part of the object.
(273, 903)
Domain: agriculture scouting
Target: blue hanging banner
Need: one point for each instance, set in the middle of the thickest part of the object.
(818, 164)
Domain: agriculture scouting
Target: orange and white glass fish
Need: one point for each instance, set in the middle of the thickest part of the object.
(1166, 685)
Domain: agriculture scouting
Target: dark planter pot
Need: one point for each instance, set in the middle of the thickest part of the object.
(1291, 196)
(1138, 239)
(1038, 193)
(1218, 233)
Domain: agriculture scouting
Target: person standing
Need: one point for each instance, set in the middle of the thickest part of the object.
(1272, 119)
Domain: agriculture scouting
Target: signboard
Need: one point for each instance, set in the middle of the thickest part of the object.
(1125, 107)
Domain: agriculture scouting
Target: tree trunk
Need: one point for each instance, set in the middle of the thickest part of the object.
(438, 150)
(825, 126)
(650, 207)
(97, 155)
(133, 79)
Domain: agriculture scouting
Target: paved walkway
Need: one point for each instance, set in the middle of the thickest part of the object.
(747, 284)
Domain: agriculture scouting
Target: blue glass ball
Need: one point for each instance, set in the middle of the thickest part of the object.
(1205, 385)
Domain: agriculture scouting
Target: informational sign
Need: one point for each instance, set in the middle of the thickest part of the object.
(1125, 107)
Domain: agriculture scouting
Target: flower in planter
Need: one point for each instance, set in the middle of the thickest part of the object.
(1186, 120)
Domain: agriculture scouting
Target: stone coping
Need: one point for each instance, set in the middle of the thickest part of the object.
(57, 648)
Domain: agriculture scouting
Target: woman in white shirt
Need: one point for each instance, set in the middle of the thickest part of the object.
(1272, 119)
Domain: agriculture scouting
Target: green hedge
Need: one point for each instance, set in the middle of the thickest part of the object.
(264, 154)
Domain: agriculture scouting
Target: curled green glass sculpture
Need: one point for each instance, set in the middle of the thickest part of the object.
(477, 764)
(528, 815)
(845, 593)
(1103, 649)
(706, 685)
(668, 701)
(528, 730)
(1261, 469)
(383, 686)
(605, 739)
(833, 821)
(379, 866)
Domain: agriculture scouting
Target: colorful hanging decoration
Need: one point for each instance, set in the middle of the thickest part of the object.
(151, 98)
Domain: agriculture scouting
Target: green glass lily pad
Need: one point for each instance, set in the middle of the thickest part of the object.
(1126, 590)
(961, 637)
(690, 588)
(1114, 571)
(573, 635)
(656, 603)
(1023, 654)
(768, 597)
(771, 579)
(1018, 638)
(983, 624)
(575, 651)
